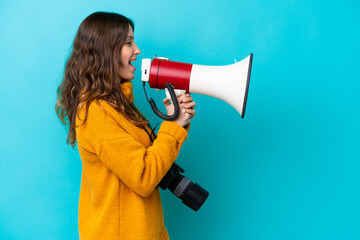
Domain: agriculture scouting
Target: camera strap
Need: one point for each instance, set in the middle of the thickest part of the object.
(151, 135)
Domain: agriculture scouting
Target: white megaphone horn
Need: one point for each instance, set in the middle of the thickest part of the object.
(229, 83)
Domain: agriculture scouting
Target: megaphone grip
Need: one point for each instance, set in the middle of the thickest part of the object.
(174, 101)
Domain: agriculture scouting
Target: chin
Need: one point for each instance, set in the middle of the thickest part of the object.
(128, 78)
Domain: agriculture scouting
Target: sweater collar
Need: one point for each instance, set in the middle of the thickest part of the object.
(127, 90)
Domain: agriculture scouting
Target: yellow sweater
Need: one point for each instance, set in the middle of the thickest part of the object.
(119, 197)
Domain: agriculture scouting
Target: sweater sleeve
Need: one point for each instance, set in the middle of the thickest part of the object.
(140, 168)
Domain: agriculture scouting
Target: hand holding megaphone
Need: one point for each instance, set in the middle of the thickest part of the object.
(229, 83)
(186, 108)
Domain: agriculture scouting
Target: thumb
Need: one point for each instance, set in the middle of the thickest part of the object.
(166, 102)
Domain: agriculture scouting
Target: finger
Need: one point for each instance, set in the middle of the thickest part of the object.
(187, 99)
(190, 105)
(189, 116)
(166, 102)
(181, 98)
(190, 111)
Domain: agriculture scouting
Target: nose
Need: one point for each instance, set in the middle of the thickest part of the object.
(137, 50)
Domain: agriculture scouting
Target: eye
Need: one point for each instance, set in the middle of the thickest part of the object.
(129, 43)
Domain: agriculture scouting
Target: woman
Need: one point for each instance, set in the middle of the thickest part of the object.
(119, 197)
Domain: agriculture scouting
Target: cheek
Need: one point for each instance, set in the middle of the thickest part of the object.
(122, 60)
(125, 55)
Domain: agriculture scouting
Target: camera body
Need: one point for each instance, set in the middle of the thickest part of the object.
(191, 194)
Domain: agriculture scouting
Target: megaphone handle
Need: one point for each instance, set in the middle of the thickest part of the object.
(174, 101)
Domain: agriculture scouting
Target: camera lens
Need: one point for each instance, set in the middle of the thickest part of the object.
(191, 194)
(194, 196)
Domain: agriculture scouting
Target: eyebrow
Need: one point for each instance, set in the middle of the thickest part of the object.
(130, 37)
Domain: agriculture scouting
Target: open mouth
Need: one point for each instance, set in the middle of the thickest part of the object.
(131, 61)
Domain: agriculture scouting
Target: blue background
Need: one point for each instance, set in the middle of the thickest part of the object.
(288, 170)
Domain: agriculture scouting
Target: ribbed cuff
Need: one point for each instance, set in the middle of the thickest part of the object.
(175, 130)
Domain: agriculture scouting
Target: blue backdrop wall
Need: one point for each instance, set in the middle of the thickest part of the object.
(288, 170)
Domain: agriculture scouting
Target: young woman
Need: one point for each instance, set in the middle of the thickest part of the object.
(119, 197)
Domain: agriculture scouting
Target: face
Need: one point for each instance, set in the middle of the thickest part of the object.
(128, 55)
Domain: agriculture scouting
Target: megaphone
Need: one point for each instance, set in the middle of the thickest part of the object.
(229, 83)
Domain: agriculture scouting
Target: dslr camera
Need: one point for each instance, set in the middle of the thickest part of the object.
(191, 194)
